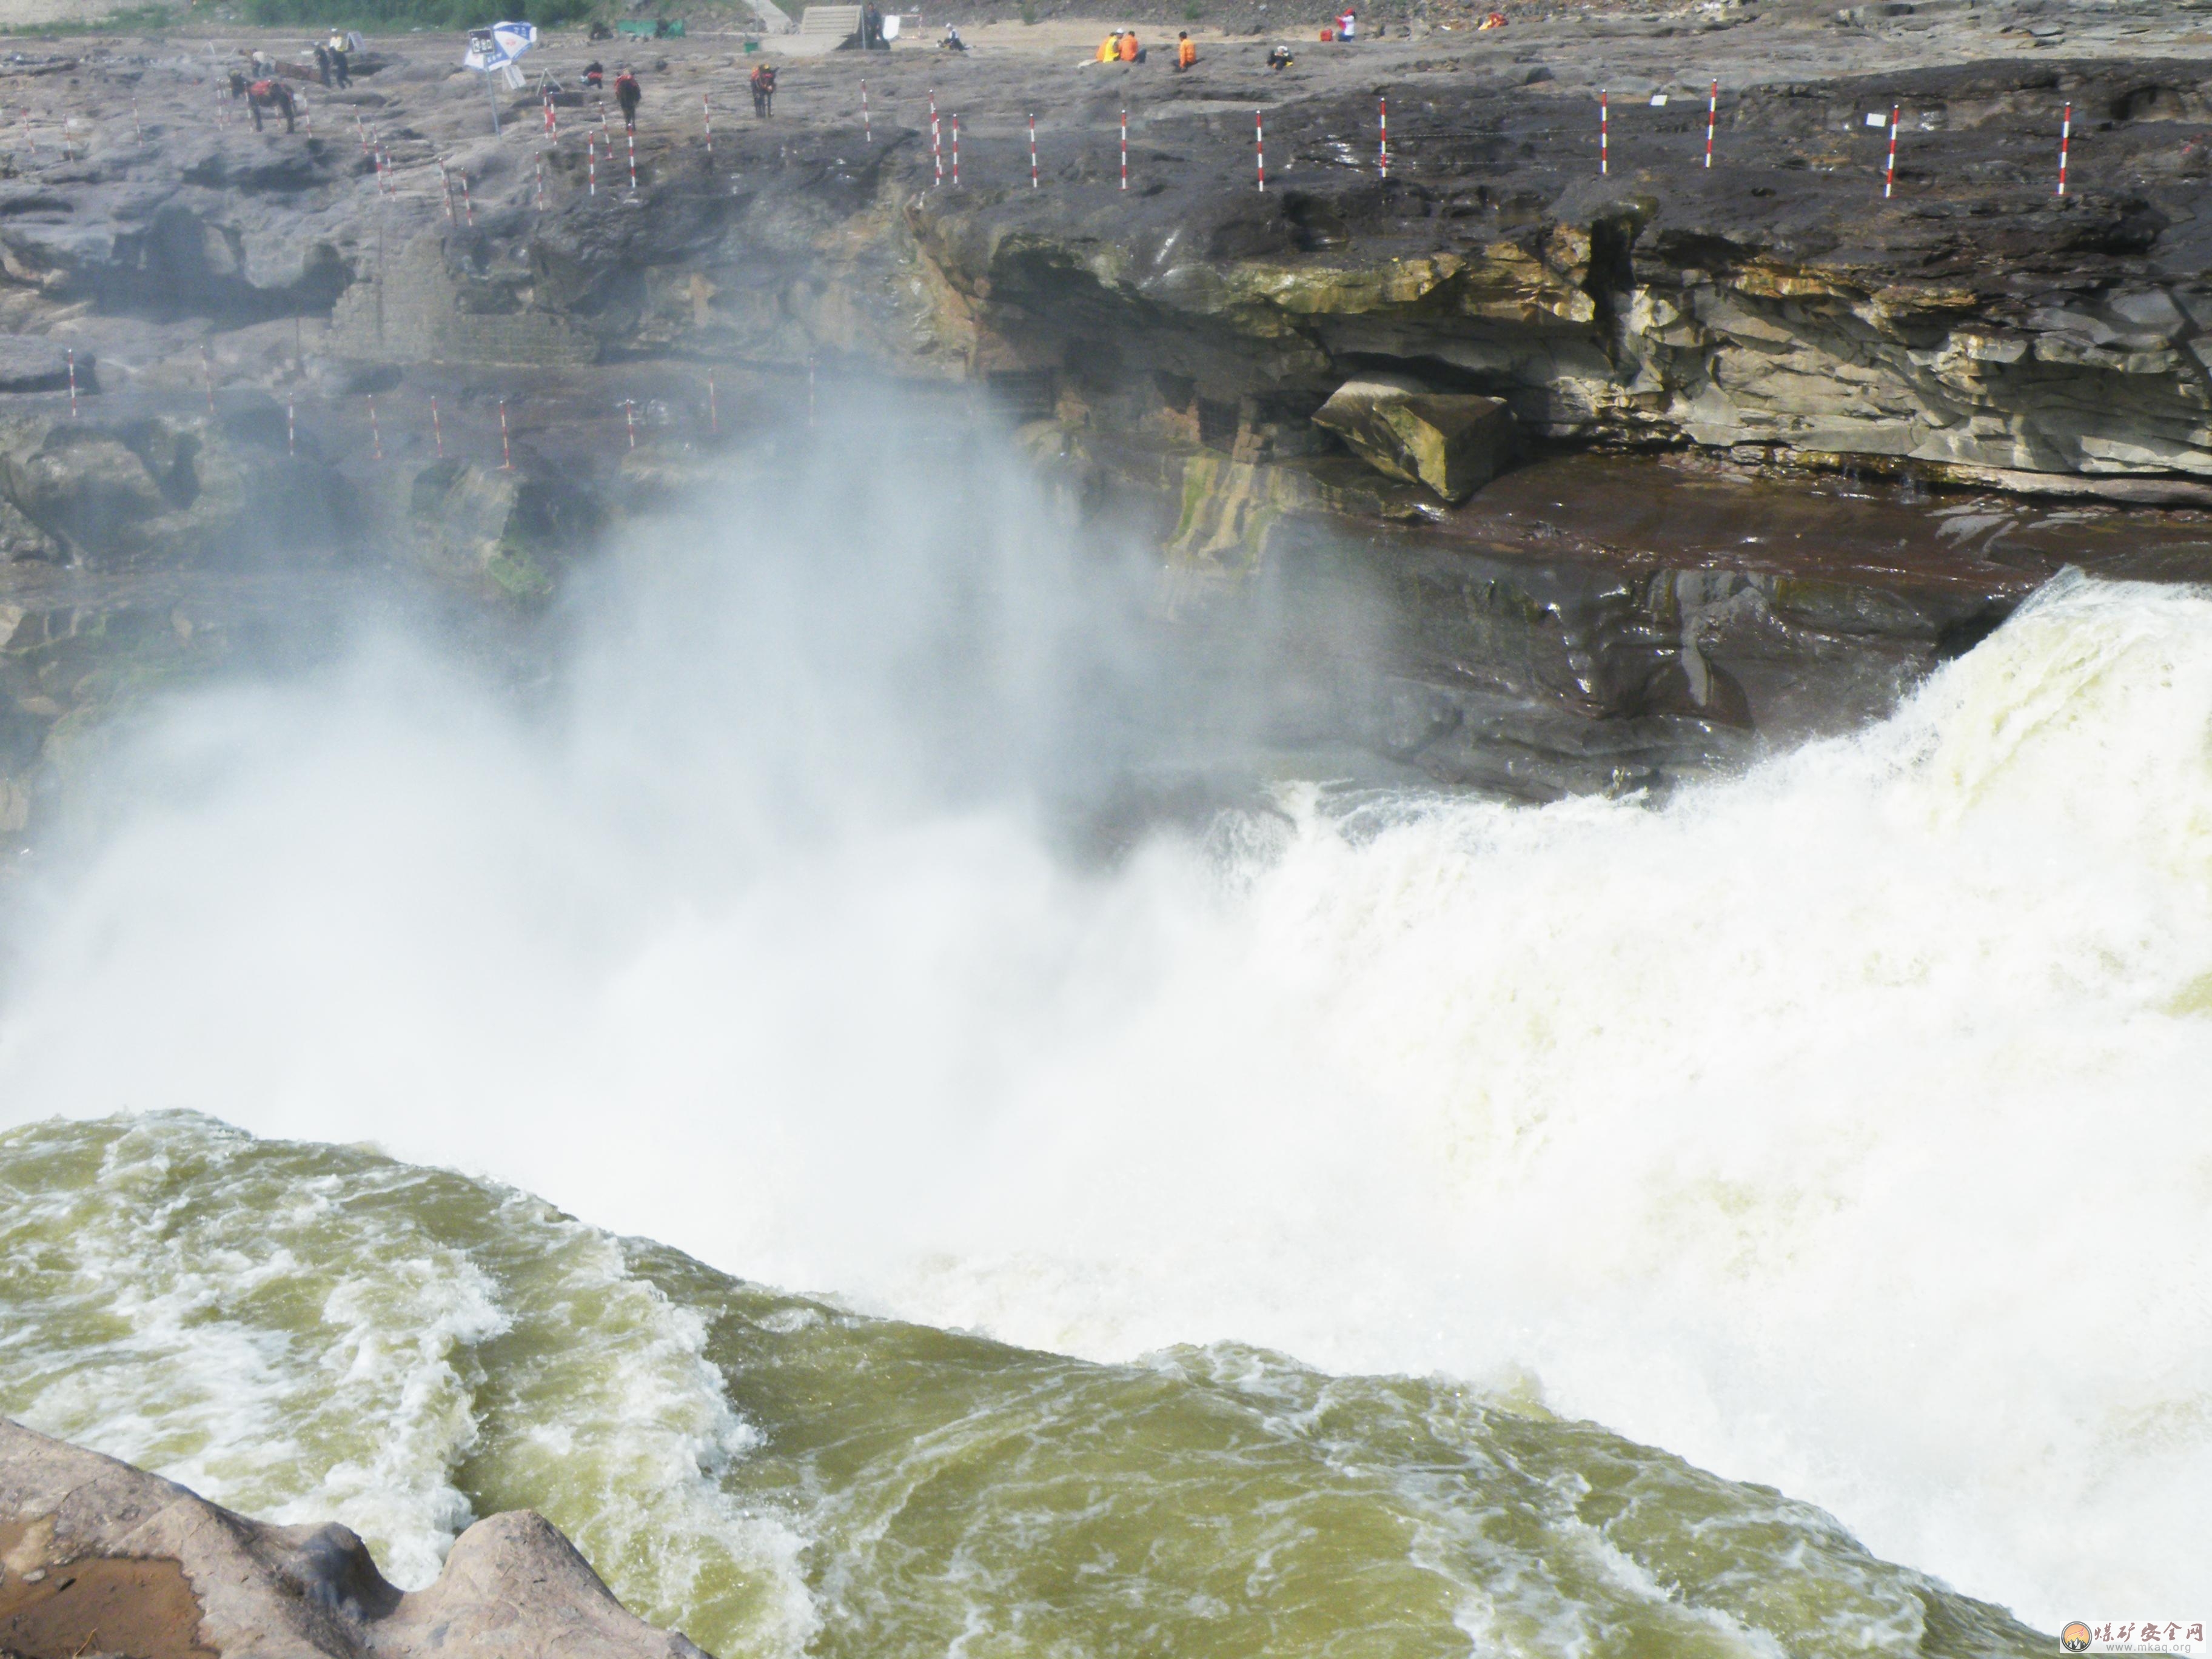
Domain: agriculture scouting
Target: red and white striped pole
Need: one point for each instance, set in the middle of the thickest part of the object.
(2065, 138)
(633, 161)
(591, 165)
(1604, 133)
(1383, 126)
(71, 353)
(1260, 147)
(548, 115)
(437, 429)
(955, 149)
(1033, 166)
(707, 107)
(1889, 174)
(936, 142)
(375, 437)
(505, 454)
(541, 181)
(630, 420)
(714, 413)
(1124, 149)
(289, 428)
(468, 201)
(1712, 115)
(867, 126)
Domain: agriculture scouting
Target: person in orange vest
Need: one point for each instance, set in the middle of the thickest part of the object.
(1131, 52)
(1186, 50)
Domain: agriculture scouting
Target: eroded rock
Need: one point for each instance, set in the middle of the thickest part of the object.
(98, 1556)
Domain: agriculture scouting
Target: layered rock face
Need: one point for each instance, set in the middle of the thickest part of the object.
(1253, 373)
(97, 1556)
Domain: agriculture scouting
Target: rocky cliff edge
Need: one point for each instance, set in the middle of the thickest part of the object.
(98, 1557)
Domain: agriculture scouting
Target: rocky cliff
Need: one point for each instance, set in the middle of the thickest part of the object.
(1163, 347)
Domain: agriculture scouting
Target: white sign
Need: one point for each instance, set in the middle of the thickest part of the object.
(498, 45)
(1876, 118)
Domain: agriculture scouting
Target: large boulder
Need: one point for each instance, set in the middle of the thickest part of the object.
(1452, 442)
(96, 1556)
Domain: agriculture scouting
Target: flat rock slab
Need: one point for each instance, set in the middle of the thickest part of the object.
(96, 1554)
(30, 363)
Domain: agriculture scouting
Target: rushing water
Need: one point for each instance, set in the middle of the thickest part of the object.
(1228, 1251)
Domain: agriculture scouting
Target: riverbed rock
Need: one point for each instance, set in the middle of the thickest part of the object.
(1452, 442)
(98, 1557)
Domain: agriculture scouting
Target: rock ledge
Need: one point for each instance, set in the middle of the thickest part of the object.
(98, 1557)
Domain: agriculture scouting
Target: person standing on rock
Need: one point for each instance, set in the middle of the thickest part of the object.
(341, 72)
(272, 94)
(1348, 24)
(627, 93)
(763, 85)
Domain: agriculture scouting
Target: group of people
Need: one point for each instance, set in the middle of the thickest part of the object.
(333, 68)
(627, 94)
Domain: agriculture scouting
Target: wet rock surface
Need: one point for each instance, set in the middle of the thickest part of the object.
(98, 1557)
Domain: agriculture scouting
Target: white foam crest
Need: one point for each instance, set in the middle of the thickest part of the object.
(209, 1331)
(610, 1418)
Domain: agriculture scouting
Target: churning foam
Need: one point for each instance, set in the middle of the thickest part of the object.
(1839, 1127)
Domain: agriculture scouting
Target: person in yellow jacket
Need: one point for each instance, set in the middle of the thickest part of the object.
(1130, 54)
(1109, 49)
(1186, 50)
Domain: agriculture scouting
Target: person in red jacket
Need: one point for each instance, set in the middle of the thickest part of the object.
(627, 93)
(763, 85)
